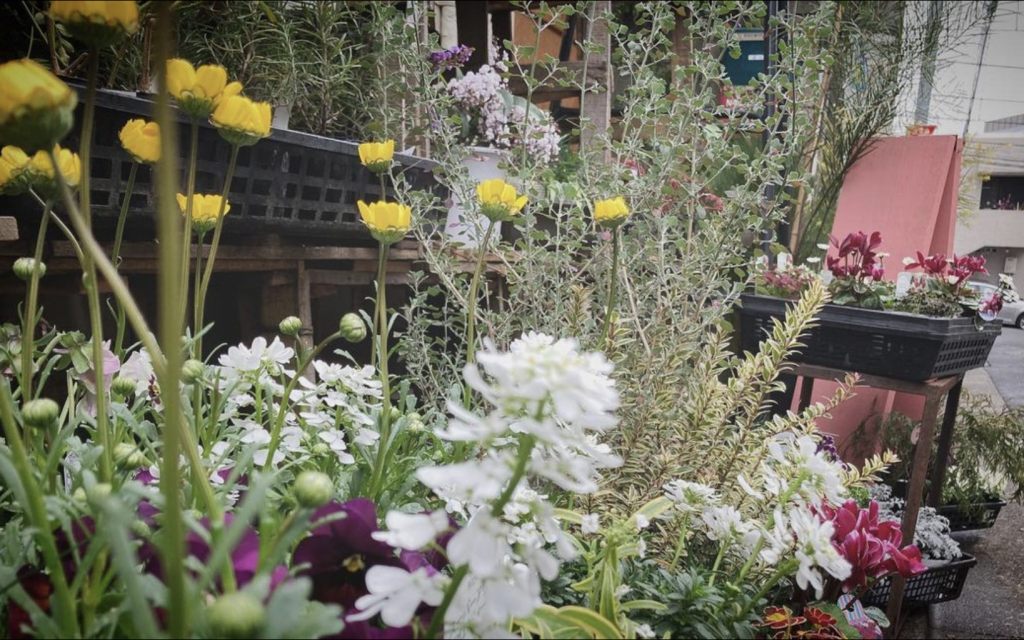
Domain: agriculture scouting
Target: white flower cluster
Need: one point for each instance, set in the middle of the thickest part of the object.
(794, 479)
(485, 94)
(323, 419)
(549, 402)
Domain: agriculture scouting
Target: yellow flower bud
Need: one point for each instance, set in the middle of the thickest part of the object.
(36, 108)
(141, 140)
(99, 24)
(241, 121)
(198, 92)
(43, 177)
(13, 175)
(388, 221)
(205, 210)
(377, 156)
(611, 212)
(499, 200)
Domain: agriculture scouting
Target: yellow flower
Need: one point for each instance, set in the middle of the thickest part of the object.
(376, 156)
(13, 174)
(68, 161)
(198, 91)
(205, 210)
(141, 139)
(36, 108)
(499, 200)
(98, 24)
(611, 212)
(388, 221)
(241, 121)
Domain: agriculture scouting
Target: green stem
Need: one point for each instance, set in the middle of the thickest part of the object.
(208, 271)
(526, 445)
(377, 476)
(681, 545)
(91, 284)
(64, 605)
(718, 562)
(28, 330)
(275, 434)
(186, 232)
(197, 310)
(783, 571)
(474, 287)
(613, 287)
(115, 256)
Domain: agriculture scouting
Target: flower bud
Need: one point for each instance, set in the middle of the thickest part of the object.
(40, 413)
(192, 371)
(352, 327)
(313, 489)
(36, 108)
(79, 495)
(141, 530)
(97, 493)
(395, 415)
(124, 387)
(290, 326)
(321, 449)
(123, 451)
(25, 267)
(415, 422)
(236, 615)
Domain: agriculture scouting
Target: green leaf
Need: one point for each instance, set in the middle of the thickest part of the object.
(655, 508)
(643, 605)
(598, 626)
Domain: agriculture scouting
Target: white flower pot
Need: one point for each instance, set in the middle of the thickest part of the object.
(464, 224)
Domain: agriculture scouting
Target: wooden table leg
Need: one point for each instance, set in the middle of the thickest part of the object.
(945, 445)
(806, 392)
(915, 495)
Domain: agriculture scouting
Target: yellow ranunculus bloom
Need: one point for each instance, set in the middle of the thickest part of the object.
(36, 108)
(13, 165)
(142, 140)
(388, 221)
(198, 91)
(499, 200)
(68, 162)
(241, 121)
(377, 156)
(99, 24)
(205, 210)
(611, 212)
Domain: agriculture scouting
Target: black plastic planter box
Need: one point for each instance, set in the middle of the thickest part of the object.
(883, 343)
(941, 583)
(974, 517)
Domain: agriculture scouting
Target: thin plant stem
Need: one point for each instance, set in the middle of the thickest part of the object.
(169, 304)
(115, 256)
(526, 445)
(613, 286)
(64, 604)
(106, 469)
(186, 231)
(28, 330)
(377, 477)
(474, 287)
(214, 243)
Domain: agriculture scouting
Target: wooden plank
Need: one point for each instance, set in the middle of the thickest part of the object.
(231, 252)
(8, 229)
(351, 278)
(597, 107)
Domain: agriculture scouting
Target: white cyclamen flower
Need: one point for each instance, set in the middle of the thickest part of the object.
(396, 594)
(412, 531)
(814, 549)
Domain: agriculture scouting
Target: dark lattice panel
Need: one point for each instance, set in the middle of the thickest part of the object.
(937, 584)
(292, 181)
(894, 345)
(972, 517)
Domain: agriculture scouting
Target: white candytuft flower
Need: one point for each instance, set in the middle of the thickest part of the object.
(396, 594)
(690, 497)
(412, 531)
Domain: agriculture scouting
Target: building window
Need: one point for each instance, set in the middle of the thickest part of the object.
(1002, 192)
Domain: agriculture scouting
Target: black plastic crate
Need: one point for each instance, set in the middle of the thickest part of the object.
(937, 584)
(883, 343)
(972, 517)
(291, 182)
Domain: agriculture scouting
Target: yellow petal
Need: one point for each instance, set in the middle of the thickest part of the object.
(182, 203)
(520, 203)
(210, 81)
(508, 195)
(181, 77)
(366, 213)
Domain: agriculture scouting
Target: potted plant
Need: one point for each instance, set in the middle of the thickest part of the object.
(946, 566)
(494, 124)
(938, 327)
